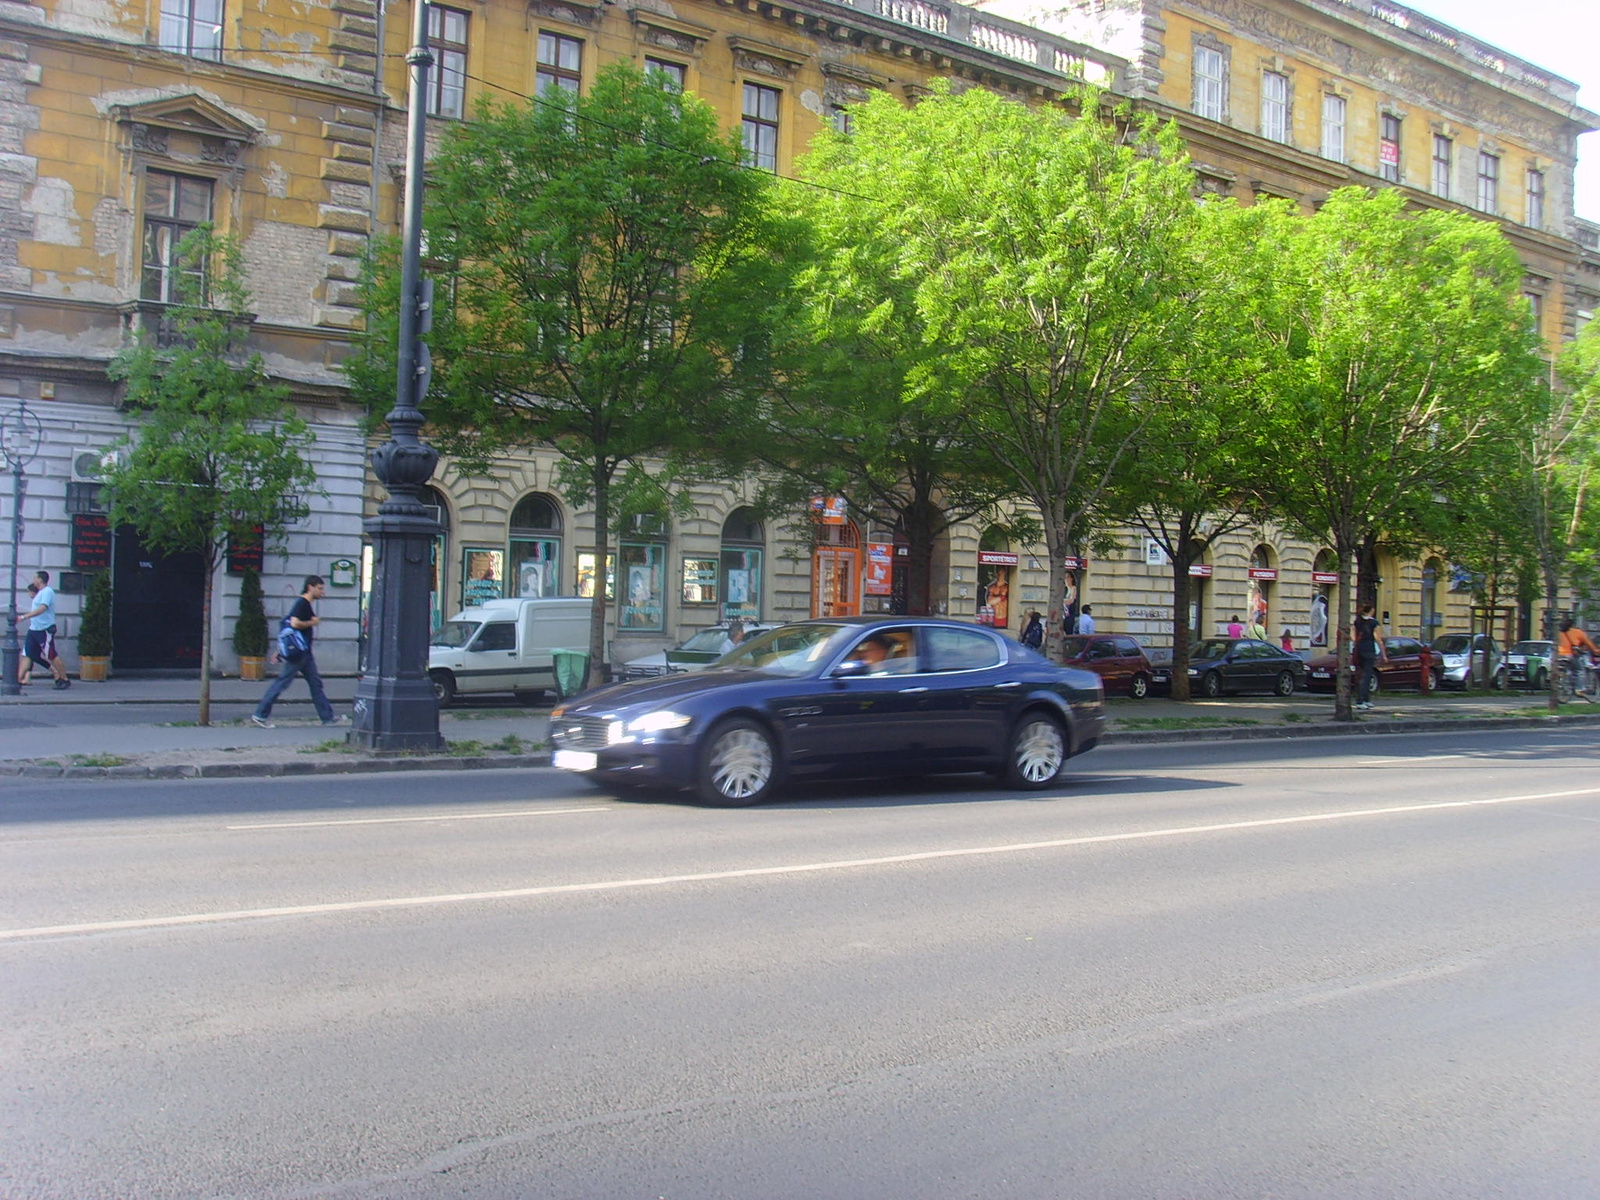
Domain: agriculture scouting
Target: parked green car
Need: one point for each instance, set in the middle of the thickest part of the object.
(1529, 665)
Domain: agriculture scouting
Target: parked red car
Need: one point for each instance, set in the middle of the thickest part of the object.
(1408, 659)
(1115, 657)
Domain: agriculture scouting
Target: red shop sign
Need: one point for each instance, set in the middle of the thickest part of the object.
(1324, 577)
(1267, 573)
(1200, 570)
(996, 558)
(1074, 563)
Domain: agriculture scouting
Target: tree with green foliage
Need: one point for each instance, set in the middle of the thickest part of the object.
(604, 261)
(218, 449)
(1046, 256)
(1403, 355)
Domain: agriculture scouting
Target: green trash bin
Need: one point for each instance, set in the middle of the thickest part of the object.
(571, 671)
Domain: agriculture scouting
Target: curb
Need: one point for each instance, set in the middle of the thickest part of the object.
(508, 762)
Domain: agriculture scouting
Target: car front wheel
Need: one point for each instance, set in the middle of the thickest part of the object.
(1211, 685)
(1038, 752)
(1140, 687)
(738, 765)
(1541, 681)
(444, 687)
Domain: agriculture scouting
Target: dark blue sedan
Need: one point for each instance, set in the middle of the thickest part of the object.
(845, 698)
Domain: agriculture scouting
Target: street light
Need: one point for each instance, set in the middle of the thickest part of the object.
(20, 437)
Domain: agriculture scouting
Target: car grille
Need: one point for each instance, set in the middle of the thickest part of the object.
(581, 733)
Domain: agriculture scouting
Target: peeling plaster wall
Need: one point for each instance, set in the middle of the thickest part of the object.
(283, 263)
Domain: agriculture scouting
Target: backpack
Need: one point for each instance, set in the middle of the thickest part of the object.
(292, 644)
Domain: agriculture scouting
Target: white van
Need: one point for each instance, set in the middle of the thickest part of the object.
(505, 646)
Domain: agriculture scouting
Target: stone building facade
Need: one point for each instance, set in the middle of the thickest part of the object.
(121, 120)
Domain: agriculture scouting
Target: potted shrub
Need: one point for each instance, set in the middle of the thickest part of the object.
(94, 631)
(250, 630)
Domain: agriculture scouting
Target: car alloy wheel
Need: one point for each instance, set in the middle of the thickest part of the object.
(1211, 685)
(737, 765)
(1140, 687)
(1038, 751)
(1285, 686)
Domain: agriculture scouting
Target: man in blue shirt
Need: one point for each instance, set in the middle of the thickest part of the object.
(41, 646)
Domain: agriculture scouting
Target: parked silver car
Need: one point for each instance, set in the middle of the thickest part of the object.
(699, 652)
(1451, 649)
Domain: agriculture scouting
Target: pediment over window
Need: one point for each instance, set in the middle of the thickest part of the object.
(181, 127)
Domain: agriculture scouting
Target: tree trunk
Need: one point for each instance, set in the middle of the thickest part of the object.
(205, 645)
(1056, 546)
(1180, 623)
(602, 549)
(1344, 634)
(918, 523)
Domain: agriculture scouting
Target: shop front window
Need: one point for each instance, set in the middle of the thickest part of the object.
(996, 565)
(643, 606)
(482, 575)
(586, 575)
(700, 580)
(1262, 576)
(534, 547)
(1432, 618)
(1324, 579)
(739, 568)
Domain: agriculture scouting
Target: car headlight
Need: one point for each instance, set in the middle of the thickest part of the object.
(1194, 670)
(655, 722)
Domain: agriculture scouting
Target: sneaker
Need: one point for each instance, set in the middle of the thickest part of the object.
(261, 722)
(63, 684)
(338, 721)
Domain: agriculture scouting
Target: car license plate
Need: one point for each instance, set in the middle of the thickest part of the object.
(574, 760)
(1320, 675)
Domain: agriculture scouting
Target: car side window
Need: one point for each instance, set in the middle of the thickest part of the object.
(497, 635)
(1102, 650)
(1128, 648)
(887, 652)
(960, 650)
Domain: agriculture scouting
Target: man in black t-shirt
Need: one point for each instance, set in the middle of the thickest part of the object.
(303, 618)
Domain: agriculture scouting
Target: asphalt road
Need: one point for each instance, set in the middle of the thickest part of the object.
(1240, 970)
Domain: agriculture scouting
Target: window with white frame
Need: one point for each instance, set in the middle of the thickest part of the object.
(1210, 82)
(1389, 147)
(1333, 127)
(560, 64)
(192, 27)
(1443, 161)
(1488, 182)
(447, 86)
(1536, 307)
(174, 206)
(759, 125)
(1275, 106)
(1535, 208)
(671, 75)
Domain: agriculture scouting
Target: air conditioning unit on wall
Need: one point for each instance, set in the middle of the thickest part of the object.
(89, 466)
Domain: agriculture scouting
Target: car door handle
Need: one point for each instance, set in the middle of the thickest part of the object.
(1012, 683)
(912, 691)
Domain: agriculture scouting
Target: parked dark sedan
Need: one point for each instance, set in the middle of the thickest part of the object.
(1405, 660)
(1218, 665)
(1115, 657)
(848, 698)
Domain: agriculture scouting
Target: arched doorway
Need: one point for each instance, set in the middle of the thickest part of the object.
(1262, 578)
(534, 546)
(1324, 580)
(744, 540)
(836, 569)
(642, 551)
(997, 564)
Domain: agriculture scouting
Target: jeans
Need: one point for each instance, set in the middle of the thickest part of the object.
(1367, 671)
(307, 666)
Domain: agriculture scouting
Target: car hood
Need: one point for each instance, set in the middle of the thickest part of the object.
(658, 659)
(656, 693)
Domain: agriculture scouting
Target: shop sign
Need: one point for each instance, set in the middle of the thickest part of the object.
(879, 578)
(1073, 563)
(1200, 570)
(828, 509)
(91, 542)
(1264, 573)
(1326, 577)
(248, 552)
(996, 558)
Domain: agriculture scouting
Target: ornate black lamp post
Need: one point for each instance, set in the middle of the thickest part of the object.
(20, 437)
(395, 707)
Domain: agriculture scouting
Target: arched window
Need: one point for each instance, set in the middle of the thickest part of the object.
(1324, 579)
(996, 565)
(534, 546)
(739, 568)
(1432, 618)
(642, 547)
(1199, 577)
(1263, 576)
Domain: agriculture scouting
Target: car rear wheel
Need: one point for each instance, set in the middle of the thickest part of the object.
(1140, 687)
(1541, 681)
(738, 765)
(444, 687)
(1211, 685)
(1498, 681)
(1285, 684)
(1038, 751)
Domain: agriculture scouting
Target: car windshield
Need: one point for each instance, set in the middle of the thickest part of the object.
(454, 634)
(792, 650)
(1073, 646)
(707, 639)
(1210, 648)
(1451, 643)
(1531, 648)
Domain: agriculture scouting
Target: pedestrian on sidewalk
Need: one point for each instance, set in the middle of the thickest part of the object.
(1370, 649)
(303, 619)
(41, 640)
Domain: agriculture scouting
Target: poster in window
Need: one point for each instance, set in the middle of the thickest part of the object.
(879, 578)
(741, 584)
(700, 580)
(586, 575)
(480, 576)
(643, 605)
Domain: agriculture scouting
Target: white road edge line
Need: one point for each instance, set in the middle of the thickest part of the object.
(1404, 758)
(531, 812)
(616, 885)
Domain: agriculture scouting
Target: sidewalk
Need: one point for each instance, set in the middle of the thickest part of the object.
(144, 728)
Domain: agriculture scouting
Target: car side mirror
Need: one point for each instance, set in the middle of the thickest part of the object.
(852, 668)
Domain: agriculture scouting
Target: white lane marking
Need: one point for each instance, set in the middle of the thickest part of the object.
(847, 864)
(1379, 762)
(531, 812)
